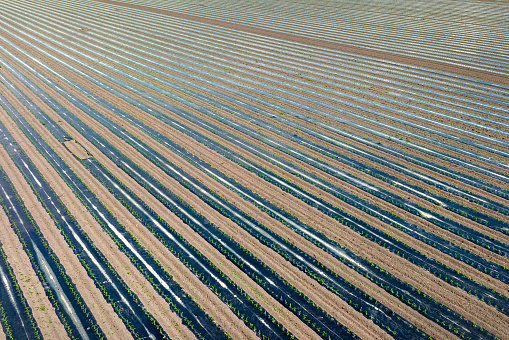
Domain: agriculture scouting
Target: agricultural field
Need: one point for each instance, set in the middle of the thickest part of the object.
(273, 169)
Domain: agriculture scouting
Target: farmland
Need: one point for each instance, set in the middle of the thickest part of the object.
(254, 169)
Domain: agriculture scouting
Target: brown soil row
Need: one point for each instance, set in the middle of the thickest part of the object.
(295, 208)
(275, 136)
(488, 178)
(489, 165)
(415, 167)
(318, 155)
(458, 240)
(145, 292)
(106, 318)
(432, 116)
(137, 282)
(418, 112)
(98, 129)
(290, 204)
(397, 145)
(33, 291)
(249, 180)
(281, 52)
(331, 179)
(405, 214)
(460, 70)
(379, 183)
(472, 160)
(184, 230)
(218, 310)
(316, 293)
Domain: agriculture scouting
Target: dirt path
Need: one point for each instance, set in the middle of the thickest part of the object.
(456, 299)
(208, 300)
(404, 59)
(105, 316)
(252, 180)
(44, 313)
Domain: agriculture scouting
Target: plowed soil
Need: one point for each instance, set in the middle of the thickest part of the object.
(199, 70)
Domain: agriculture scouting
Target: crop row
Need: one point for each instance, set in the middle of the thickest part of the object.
(237, 108)
(166, 142)
(247, 222)
(131, 39)
(450, 38)
(110, 151)
(180, 301)
(297, 298)
(457, 191)
(432, 239)
(116, 292)
(475, 215)
(188, 256)
(323, 205)
(281, 99)
(61, 291)
(16, 315)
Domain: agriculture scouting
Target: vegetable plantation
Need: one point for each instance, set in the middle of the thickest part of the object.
(254, 169)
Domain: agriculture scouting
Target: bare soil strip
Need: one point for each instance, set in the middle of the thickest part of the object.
(81, 148)
(44, 312)
(243, 175)
(105, 316)
(405, 59)
(250, 180)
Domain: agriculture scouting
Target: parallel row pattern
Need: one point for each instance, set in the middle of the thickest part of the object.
(167, 178)
(470, 33)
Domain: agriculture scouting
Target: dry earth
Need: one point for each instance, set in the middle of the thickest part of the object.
(314, 90)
